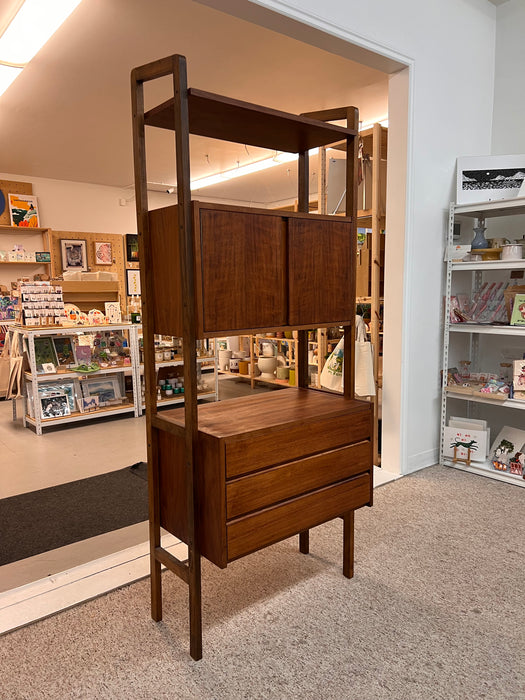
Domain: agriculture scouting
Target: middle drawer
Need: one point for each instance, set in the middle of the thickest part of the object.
(248, 493)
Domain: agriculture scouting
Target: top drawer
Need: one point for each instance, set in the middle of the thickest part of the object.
(249, 452)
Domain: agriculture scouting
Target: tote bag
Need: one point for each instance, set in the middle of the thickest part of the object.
(332, 372)
(14, 388)
(5, 368)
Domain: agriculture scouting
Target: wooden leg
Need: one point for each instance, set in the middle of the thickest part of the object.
(304, 542)
(156, 589)
(348, 544)
(195, 608)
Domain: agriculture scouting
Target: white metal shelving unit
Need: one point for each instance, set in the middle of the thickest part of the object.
(33, 379)
(472, 405)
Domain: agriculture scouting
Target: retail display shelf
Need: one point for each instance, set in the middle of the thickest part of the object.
(179, 399)
(23, 262)
(476, 398)
(489, 265)
(485, 469)
(486, 329)
(77, 416)
(52, 377)
(501, 207)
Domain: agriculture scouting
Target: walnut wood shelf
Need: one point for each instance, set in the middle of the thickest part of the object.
(232, 477)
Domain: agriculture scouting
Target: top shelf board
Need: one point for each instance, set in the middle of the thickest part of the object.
(218, 117)
(501, 207)
(22, 229)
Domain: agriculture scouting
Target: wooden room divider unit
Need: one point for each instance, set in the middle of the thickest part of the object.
(235, 476)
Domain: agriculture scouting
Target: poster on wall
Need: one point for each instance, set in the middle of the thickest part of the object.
(132, 247)
(23, 210)
(489, 178)
(103, 254)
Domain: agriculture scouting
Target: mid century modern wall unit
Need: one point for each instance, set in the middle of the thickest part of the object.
(232, 477)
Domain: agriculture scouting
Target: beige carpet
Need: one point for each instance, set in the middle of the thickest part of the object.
(435, 611)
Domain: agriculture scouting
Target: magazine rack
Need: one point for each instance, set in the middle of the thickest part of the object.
(232, 477)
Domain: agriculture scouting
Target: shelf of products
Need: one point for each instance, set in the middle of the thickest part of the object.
(483, 376)
(13, 253)
(169, 370)
(105, 380)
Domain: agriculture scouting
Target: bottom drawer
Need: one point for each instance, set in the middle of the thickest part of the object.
(252, 532)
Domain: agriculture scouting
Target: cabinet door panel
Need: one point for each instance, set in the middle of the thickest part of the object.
(322, 256)
(243, 282)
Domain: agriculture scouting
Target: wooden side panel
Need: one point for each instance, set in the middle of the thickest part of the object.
(321, 272)
(288, 480)
(211, 508)
(282, 443)
(166, 305)
(253, 532)
(243, 270)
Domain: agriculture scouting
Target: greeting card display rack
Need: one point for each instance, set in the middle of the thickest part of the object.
(232, 477)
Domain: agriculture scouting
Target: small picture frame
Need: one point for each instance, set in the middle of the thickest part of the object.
(74, 254)
(133, 283)
(103, 254)
(107, 389)
(87, 404)
(489, 178)
(43, 256)
(65, 350)
(49, 368)
(23, 210)
(45, 352)
(55, 406)
(132, 247)
(113, 312)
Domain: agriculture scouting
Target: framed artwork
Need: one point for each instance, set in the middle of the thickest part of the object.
(113, 313)
(103, 254)
(488, 178)
(23, 210)
(133, 282)
(88, 403)
(55, 406)
(45, 352)
(132, 247)
(107, 389)
(65, 350)
(43, 256)
(74, 254)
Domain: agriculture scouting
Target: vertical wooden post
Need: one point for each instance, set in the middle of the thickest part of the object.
(141, 196)
(352, 148)
(375, 275)
(303, 205)
(186, 247)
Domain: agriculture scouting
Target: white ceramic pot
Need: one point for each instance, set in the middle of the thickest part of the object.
(514, 251)
(267, 367)
(224, 359)
(234, 364)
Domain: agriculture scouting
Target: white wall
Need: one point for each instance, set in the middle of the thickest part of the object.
(77, 206)
(450, 48)
(508, 134)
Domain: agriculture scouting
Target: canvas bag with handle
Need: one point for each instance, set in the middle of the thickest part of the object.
(5, 368)
(332, 372)
(14, 388)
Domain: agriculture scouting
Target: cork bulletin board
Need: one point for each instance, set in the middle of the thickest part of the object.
(7, 186)
(117, 264)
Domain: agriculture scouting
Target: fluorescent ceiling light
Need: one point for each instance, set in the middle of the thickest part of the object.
(248, 169)
(35, 22)
(7, 75)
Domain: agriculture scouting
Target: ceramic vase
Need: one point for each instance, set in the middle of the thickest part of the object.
(267, 366)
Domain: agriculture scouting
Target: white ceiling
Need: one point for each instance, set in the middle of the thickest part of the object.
(68, 115)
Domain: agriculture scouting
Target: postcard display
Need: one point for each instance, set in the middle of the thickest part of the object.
(483, 375)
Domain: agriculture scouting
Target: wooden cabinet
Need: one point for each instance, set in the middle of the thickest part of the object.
(253, 269)
(232, 477)
(267, 467)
